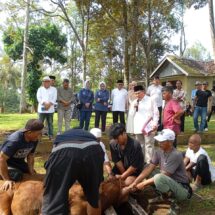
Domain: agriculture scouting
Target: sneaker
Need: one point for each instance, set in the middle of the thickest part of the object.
(206, 129)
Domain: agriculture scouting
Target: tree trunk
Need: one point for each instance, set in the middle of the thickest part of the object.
(134, 36)
(23, 106)
(212, 27)
(126, 44)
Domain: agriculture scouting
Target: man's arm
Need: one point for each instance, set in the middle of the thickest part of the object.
(186, 161)
(120, 167)
(30, 162)
(8, 184)
(209, 104)
(190, 166)
(3, 166)
(128, 172)
(144, 174)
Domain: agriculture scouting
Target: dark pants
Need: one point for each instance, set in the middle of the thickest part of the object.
(66, 166)
(182, 118)
(209, 116)
(120, 114)
(102, 115)
(160, 126)
(202, 170)
(85, 119)
(49, 119)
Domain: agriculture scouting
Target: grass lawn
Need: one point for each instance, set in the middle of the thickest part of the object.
(196, 206)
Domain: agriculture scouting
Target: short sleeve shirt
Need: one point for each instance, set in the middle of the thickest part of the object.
(202, 97)
(169, 111)
(131, 156)
(194, 157)
(17, 149)
(171, 163)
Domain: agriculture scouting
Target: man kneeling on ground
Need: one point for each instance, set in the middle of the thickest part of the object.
(77, 155)
(18, 146)
(198, 163)
(172, 179)
(126, 154)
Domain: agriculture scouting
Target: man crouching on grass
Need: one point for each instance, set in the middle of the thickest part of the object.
(172, 179)
(17, 147)
(126, 154)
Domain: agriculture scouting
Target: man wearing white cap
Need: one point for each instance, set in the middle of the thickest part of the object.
(172, 179)
(107, 165)
(46, 97)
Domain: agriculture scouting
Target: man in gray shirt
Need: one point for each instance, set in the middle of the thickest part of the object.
(172, 179)
(65, 98)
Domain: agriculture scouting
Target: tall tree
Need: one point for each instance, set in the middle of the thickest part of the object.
(47, 44)
(23, 106)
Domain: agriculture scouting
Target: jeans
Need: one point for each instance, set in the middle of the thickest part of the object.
(85, 119)
(102, 115)
(49, 119)
(202, 112)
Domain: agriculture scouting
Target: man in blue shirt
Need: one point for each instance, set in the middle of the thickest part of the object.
(101, 106)
(18, 146)
(86, 98)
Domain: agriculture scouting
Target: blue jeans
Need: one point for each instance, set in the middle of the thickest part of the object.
(85, 119)
(202, 112)
(49, 118)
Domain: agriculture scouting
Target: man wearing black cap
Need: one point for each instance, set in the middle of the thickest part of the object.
(119, 98)
(77, 155)
(146, 116)
(52, 78)
(19, 146)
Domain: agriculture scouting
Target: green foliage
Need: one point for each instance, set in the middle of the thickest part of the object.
(11, 100)
(197, 52)
(45, 42)
(13, 43)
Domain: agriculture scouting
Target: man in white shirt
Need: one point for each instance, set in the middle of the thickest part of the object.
(46, 97)
(146, 116)
(155, 92)
(119, 97)
(198, 163)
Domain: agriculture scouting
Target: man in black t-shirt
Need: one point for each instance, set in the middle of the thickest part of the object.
(19, 146)
(126, 154)
(202, 104)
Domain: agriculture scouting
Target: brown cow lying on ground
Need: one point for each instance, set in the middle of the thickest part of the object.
(27, 198)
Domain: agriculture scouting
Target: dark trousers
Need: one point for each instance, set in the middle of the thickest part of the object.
(160, 126)
(102, 115)
(119, 114)
(209, 116)
(182, 118)
(202, 170)
(85, 119)
(49, 118)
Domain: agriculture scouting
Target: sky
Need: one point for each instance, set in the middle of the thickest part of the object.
(197, 28)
